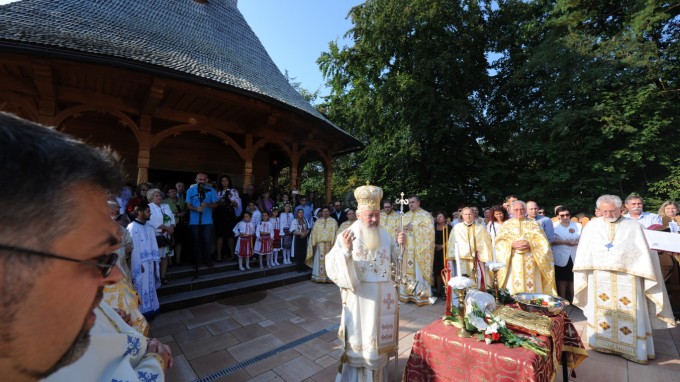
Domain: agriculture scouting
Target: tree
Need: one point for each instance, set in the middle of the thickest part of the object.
(581, 105)
(409, 88)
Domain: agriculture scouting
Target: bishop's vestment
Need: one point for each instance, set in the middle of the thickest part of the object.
(369, 325)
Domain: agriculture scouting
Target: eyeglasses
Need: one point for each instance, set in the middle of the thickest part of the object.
(105, 263)
(563, 215)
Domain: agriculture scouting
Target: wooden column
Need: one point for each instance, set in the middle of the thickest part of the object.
(44, 83)
(248, 162)
(294, 163)
(144, 153)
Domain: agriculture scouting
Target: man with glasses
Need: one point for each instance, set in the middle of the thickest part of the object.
(619, 286)
(337, 213)
(523, 247)
(56, 255)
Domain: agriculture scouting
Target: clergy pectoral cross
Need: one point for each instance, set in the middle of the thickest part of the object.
(609, 246)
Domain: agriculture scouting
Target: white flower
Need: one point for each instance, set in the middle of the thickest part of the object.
(493, 328)
(477, 322)
(488, 340)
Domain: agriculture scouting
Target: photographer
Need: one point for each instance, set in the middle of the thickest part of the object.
(201, 199)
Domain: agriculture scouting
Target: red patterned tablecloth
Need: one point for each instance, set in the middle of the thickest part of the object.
(438, 354)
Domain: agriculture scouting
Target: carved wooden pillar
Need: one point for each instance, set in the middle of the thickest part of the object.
(294, 163)
(44, 83)
(248, 162)
(144, 154)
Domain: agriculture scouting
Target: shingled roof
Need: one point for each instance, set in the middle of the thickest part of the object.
(210, 41)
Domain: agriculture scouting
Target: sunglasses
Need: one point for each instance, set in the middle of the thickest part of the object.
(104, 263)
(563, 215)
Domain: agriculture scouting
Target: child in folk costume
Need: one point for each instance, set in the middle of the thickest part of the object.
(286, 219)
(276, 241)
(264, 234)
(245, 232)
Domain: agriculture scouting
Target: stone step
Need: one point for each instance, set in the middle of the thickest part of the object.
(186, 279)
(230, 288)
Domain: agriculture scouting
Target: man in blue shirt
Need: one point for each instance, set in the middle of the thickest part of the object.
(201, 199)
(545, 222)
(307, 209)
(634, 204)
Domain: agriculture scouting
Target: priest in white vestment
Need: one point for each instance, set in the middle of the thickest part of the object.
(117, 352)
(471, 244)
(618, 284)
(360, 263)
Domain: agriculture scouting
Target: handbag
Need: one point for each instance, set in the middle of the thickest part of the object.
(163, 241)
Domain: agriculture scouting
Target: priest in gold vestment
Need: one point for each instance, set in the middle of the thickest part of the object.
(360, 264)
(523, 247)
(320, 242)
(419, 229)
(618, 284)
(390, 219)
(351, 218)
(471, 241)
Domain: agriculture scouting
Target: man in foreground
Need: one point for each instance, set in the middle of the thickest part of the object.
(618, 284)
(55, 246)
(360, 264)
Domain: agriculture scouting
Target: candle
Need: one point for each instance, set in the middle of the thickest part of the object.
(457, 264)
(493, 250)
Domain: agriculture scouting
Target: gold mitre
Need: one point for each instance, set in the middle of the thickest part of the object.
(368, 198)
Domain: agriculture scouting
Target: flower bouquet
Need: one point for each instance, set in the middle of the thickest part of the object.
(489, 328)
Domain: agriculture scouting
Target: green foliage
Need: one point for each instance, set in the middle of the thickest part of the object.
(578, 98)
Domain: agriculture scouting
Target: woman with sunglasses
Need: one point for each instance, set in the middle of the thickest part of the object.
(567, 234)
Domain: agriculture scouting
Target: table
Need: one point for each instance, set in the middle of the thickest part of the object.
(438, 354)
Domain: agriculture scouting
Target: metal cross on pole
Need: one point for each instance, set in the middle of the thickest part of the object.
(399, 274)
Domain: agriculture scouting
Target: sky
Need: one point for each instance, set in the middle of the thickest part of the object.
(295, 32)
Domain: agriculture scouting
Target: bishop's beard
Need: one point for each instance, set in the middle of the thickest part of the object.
(370, 236)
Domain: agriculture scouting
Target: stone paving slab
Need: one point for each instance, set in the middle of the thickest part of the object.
(211, 337)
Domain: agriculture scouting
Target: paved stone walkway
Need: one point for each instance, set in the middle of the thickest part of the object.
(210, 338)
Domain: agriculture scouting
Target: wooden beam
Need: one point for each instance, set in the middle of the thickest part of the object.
(169, 114)
(18, 84)
(154, 96)
(104, 101)
(43, 79)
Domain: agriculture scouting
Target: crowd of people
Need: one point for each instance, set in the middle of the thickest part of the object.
(92, 259)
